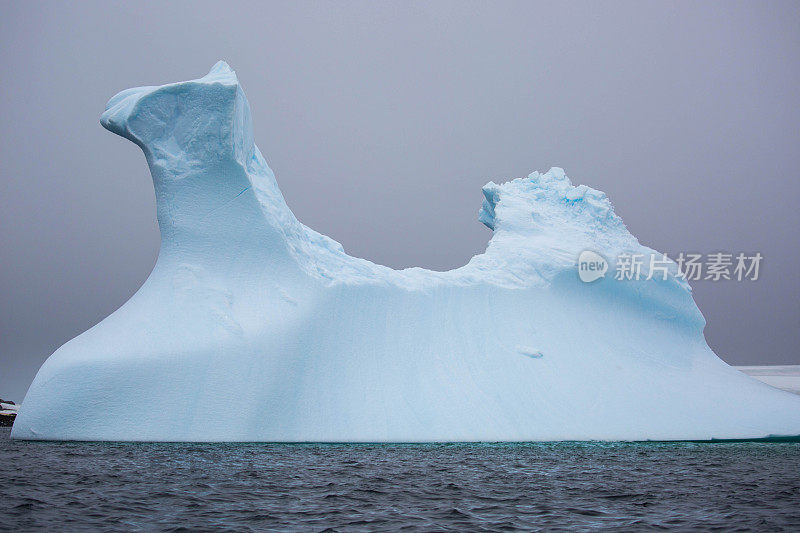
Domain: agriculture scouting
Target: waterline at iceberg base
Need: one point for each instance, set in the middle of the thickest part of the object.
(301, 342)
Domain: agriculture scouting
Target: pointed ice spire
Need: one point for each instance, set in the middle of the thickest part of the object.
(221, 71)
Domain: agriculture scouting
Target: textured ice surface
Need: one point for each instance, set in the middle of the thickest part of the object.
(247, 307)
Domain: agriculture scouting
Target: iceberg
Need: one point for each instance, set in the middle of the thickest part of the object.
(248, 308)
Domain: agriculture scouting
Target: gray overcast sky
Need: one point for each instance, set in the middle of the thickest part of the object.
(383, 120)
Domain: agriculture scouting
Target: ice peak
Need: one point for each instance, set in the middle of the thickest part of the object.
(203, 119)
(544, 199)
(221, 71)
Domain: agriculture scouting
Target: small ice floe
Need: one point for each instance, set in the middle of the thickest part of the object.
(530, 352)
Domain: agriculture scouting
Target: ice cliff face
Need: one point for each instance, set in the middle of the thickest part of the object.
(301, 342)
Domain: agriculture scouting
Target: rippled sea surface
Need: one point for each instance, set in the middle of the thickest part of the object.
(442, 487)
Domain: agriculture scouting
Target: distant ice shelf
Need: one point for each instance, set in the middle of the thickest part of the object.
(784, 377)
(302, 342)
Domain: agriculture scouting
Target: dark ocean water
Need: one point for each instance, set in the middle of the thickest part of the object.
(447, 487)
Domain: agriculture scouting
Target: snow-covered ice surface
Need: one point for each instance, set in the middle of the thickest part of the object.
(249, 308)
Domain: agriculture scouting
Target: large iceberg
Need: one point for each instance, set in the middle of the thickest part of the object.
(253, 327)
